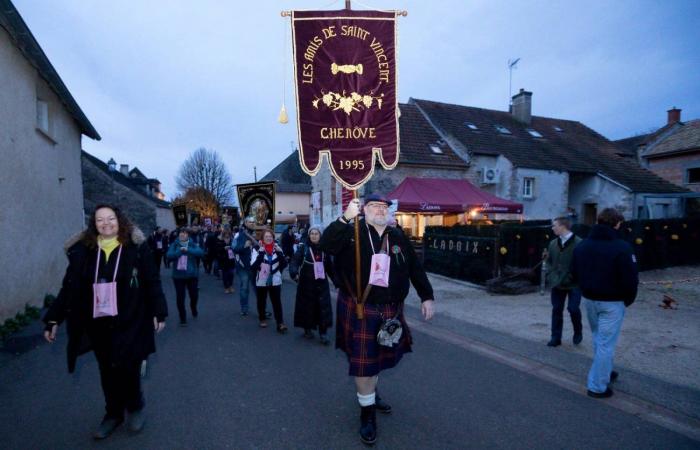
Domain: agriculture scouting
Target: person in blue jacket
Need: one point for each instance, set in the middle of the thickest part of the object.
(605, 268)
(184, 253)
(242, 244)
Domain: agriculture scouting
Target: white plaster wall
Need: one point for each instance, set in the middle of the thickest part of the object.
(292, 203)
(165, 218)
(604, 193)
(38, 211)
(551, 194)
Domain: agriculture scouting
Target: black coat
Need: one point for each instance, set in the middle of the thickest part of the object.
(605, 267)
(225, 262)
(338, 240)
(139, 299)
(313, 301)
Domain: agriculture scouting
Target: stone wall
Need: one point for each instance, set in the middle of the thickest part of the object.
(102, 187)
(674, 169)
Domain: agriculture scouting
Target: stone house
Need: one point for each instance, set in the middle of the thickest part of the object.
(138, 196)
(548, 165)
(41, 127)
(672, 152)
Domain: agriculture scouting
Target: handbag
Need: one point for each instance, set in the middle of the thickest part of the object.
(104, 295)
(390, 332)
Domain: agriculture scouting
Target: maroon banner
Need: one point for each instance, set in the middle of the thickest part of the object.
(346, 80)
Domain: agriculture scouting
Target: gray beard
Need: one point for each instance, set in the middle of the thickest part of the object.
(378, 221)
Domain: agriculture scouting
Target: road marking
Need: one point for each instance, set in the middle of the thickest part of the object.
(650, 412)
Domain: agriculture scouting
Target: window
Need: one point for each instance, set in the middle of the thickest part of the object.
(437, 150)
(694, 175)
(42, 115)
(557, 129)
(528, 187)
(534, 133)
(470, 125)
(501, 129)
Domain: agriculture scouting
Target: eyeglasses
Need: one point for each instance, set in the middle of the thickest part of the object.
(107, 220)
(378, 205)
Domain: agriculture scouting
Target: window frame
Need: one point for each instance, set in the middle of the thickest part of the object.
(688, 175)
(528, 182)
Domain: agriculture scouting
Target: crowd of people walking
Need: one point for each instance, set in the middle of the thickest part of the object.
(113, 303)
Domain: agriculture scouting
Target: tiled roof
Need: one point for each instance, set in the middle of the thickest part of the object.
(685, 138)
(123, 179)
(22, 37)
(289, 175)
(628, 146)
(417, 135)
(564, 145)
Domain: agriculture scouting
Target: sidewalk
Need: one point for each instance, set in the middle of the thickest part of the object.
(660, 343)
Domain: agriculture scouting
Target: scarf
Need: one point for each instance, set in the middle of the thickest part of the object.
(269, 248)
(107, 245)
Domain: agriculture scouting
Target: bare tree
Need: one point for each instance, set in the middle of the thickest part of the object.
(205, 169)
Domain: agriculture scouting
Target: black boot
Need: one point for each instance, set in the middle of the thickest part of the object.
(368, 426)
(381, 406)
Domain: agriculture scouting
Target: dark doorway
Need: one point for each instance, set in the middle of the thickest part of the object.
(590, 212)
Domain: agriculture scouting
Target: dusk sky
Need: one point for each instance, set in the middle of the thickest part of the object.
(159, 79)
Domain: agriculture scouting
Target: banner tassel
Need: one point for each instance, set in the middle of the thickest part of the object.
(283, 115)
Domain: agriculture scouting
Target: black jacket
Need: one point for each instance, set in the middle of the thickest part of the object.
(605, 268)
(312, 307)
(221, 252)
(139, 299)
(338, 240)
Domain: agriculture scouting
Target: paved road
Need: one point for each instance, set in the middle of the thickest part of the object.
(224, 383)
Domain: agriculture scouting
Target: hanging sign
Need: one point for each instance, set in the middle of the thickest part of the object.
(346, 82)
(180, 213)
(257, 200)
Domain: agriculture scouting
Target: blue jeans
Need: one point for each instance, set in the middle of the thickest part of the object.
(605, 319)
(243, 287)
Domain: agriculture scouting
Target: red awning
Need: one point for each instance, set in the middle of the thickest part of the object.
(438, 195)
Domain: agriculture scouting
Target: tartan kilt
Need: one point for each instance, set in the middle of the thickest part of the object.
(358, 338)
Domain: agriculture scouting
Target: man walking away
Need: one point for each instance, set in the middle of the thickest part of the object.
(606, 270)
(558, 257)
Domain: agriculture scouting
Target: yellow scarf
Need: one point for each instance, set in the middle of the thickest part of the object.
(107, 245)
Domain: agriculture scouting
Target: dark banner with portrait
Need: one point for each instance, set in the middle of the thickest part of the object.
(346, 83)
(180, 213)
(257, 200)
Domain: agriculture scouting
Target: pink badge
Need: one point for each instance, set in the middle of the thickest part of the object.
(182, 262)
(159, 245)
(105, 299)
(264, 272)
(379, 270)
(319, 270)
(104, 295)
(230, 253)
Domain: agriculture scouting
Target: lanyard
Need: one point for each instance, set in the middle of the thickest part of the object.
(385, 242)
(313, 258)
(116, 267)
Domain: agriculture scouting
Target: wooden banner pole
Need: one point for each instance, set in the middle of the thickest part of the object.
(359, 306)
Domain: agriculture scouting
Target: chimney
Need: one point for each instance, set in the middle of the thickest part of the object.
(124, 169)
(522, 106)
(674, 116)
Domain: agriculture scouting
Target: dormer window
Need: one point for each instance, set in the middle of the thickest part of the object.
(534, 133)
(471, 126)
(501, 129)
(557, 129)
(435, 149)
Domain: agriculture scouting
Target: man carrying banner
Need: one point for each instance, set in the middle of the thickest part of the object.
(387, 263)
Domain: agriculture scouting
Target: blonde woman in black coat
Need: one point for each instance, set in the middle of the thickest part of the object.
(311, 269)
(113, 304)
